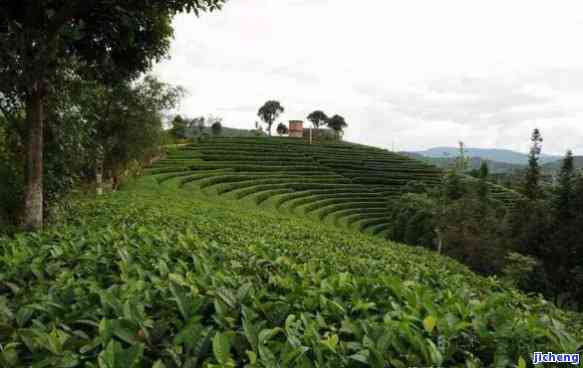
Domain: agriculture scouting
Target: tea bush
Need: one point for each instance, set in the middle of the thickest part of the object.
(164, 277)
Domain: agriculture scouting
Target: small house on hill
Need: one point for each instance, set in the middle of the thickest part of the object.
(296, 128)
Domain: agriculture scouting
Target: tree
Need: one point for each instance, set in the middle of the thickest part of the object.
(318, 118)
(532, 188)
(560, 253)
(269, 112)
(179, 126)
(563, 198)
(483, 187)
(127, 120)
(577, 228)
(216, 128)
(196, 126)
(282, 129)
(462, 160)
(39, 39)
(337, 124)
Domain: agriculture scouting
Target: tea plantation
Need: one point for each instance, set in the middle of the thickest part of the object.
(167, 276)
(339, 182)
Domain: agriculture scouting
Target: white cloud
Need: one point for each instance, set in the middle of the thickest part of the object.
(415, 74)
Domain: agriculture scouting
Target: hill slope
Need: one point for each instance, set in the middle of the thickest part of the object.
(493, 154)
(474, 163)
(161, 274)
(555, 167)
(344, 183)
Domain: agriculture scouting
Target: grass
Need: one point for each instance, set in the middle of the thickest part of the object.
(163, 276)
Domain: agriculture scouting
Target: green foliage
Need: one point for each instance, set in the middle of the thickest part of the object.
(318, 118)
(519, 269)
(337, 123)
(532, 189)
(179, 125)
(170, 278)
(269, 112)
(216, 128)
(44, 43)
(412, 220)
(11, 181)
(282, 129)
(127, 119)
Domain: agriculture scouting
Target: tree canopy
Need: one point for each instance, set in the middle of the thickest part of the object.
(282, 129)
(43, 41)
(269, 112)
(318, 118)
(337, 124)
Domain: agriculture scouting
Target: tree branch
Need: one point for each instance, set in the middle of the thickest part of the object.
(65, 14)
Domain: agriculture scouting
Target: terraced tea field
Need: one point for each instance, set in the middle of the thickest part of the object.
(343, 183)
(164, 277)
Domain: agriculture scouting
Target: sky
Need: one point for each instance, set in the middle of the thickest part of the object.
(406, 75)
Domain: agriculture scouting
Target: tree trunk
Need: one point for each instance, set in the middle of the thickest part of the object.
(439, 241)
(33, 197)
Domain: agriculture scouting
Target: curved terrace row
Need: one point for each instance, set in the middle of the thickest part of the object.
(347, 184)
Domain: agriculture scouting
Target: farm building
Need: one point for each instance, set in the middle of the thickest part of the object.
(296, 128)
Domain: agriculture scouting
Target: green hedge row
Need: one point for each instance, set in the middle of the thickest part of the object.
(345, 214)
(266, 179)
(165, 170)
(295, 203)
(263, 196)
(296, 187)
(365, 202)
(281, 200)
(329, 210)
(226, 188)
(200, 175)
(251, 167)
(165, 177)
(353, 219)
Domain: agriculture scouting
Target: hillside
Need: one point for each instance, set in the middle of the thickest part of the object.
(162, 274)
(474, 163)
(492, 154)
(555, 167)
(343, 183)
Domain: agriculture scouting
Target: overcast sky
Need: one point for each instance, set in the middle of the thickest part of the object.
(414, 74)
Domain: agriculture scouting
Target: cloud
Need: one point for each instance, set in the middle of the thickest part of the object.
(411, 74)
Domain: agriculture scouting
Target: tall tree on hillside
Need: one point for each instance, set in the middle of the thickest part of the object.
(111, 41)
(462, 160)
(563, 198)
(483, 174)
(178, 129)
(217, 128)
(196, 126)
(559, 256)
(318, 118)
(531, 221)
(577, 252)
(282, 129)
(337, 124)
(269, 112)
(532, 189)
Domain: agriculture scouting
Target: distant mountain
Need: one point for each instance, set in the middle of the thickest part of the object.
(491, 154)
(474, 163)
(555, 167)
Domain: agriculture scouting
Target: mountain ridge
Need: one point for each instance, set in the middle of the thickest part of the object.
(494, 154)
